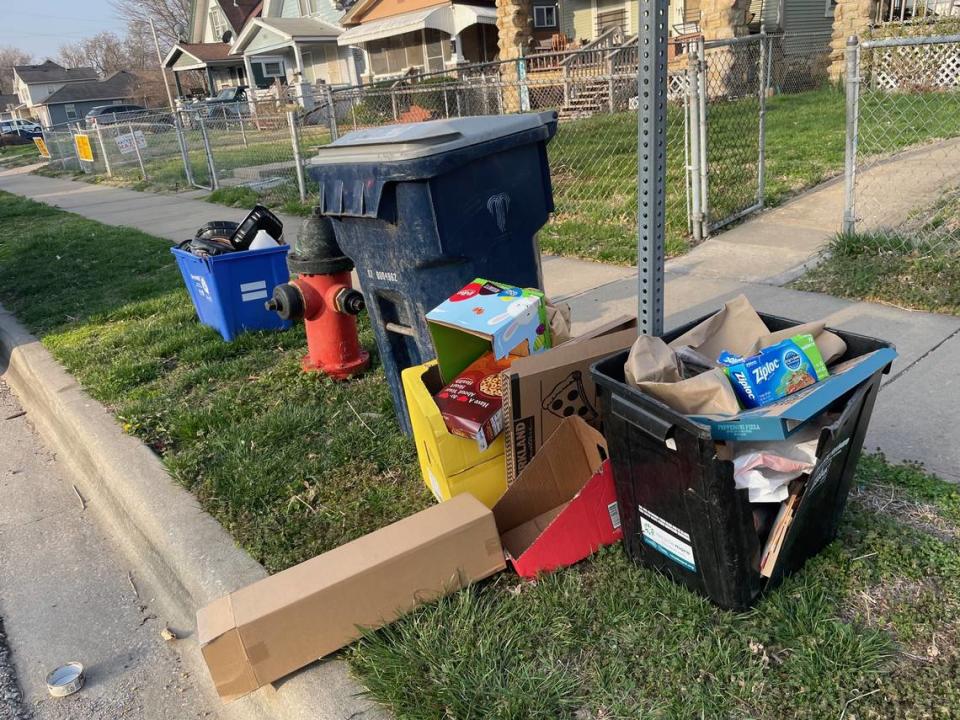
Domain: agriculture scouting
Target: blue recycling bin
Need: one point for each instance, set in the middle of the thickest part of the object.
(229, 291)
(422, 209)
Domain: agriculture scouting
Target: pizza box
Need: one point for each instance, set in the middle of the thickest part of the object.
(540, 391)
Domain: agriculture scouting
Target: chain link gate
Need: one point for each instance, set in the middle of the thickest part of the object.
(903, 142)
(726, 88)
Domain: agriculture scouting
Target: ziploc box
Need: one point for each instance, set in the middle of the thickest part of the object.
(563, 506)
(775, 371)
(485, 316)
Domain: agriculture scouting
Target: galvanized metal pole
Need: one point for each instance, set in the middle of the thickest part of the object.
(184, 154)
(696, 200)
(243, 132)
(211, 167)
(762, 142)
(136, 148)
(702, 130)
(103, 149)
(297, 160)
(850, 153)
(652, 165)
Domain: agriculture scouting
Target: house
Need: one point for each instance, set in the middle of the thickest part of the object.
(74, 100)
(426, 35)
(214, 24)
(261, 44)
(7, 104)
(35, 83)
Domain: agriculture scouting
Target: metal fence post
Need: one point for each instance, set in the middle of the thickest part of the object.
(696, 199)
(850, 152)
(184, 153)
(652, 163)
(762, 142)
(704, 154)
(610, 94)
(243, 133)
(214, 184)
(136, 148)
(393, 102)
(103, 149)
(297, 160)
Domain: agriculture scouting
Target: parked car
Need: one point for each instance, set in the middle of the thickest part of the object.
(230, 102)
(104, 115)
(23, 129)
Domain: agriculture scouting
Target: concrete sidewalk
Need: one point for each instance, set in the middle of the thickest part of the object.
(757, 258)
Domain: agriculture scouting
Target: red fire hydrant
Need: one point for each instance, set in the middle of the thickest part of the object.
(323, 296)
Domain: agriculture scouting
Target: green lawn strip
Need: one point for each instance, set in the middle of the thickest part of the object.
(873, 621)
(291, 464)
(12, 156)
(889, 269)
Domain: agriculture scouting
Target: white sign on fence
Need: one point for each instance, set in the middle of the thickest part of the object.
(125, 141)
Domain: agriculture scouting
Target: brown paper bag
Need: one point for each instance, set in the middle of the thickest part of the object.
(708, 393)
(558, 318)
(736, 328)
(650, 360)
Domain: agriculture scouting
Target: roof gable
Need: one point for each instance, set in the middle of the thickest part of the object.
(115, 87)
(50, 71)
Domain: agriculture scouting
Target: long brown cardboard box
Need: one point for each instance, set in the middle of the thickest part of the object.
(266, 630)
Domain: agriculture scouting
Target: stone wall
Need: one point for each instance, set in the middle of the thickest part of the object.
(514, 25)
(722, 19)
(852, 17)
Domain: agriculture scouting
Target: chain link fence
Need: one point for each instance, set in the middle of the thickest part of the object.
(715, 166)
(903, 142)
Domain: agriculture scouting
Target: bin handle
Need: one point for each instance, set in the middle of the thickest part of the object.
(657, 428)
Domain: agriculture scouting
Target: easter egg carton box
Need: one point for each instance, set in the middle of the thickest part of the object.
(487, 316)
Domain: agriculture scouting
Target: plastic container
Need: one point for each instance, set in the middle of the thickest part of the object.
(450, 465)
(422, 209)
(229, 291)
(680, 510)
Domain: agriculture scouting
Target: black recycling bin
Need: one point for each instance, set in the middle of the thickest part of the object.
(674, 492)
(422, 209)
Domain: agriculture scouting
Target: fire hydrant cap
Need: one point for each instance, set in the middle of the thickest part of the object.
(316, 251)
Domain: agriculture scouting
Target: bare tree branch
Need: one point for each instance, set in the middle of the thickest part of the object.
(9, 57)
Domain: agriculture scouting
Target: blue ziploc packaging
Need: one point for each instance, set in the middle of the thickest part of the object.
(774, 372)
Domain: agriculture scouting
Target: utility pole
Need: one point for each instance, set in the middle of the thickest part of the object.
(163, 73)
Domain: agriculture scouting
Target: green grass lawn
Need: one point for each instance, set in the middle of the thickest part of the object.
(889, 269)
(17, 155)
(294, 464)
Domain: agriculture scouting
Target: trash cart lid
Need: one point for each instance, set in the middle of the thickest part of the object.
(411, 141)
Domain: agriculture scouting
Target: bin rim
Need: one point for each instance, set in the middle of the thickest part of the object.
(226, 257)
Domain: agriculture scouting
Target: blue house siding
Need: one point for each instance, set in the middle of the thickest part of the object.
(58, 112)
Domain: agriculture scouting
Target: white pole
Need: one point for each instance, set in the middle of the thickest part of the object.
(166, 84)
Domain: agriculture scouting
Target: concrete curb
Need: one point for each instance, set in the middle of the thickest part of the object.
(180, 551)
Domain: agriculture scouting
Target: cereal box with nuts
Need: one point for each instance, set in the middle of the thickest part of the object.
(471, 404)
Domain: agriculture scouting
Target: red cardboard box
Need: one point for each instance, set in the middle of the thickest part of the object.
(563, 506)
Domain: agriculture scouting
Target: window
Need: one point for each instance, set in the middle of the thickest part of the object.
(272, 68)
(71, 111)
(218, 24)
(393, 55)
(544, 16)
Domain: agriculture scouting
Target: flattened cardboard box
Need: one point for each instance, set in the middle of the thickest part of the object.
(563, 506)
(268, 629)
(540, 391)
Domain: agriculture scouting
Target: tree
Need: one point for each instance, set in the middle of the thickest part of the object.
(9, 57)
(169, 16)
(104, 51)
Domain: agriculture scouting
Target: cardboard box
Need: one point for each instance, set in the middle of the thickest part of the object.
(781, 419)
(450, 465)
(268, 629)
(471, 404)
(563, 506)
(540, 391)
(485, 316)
